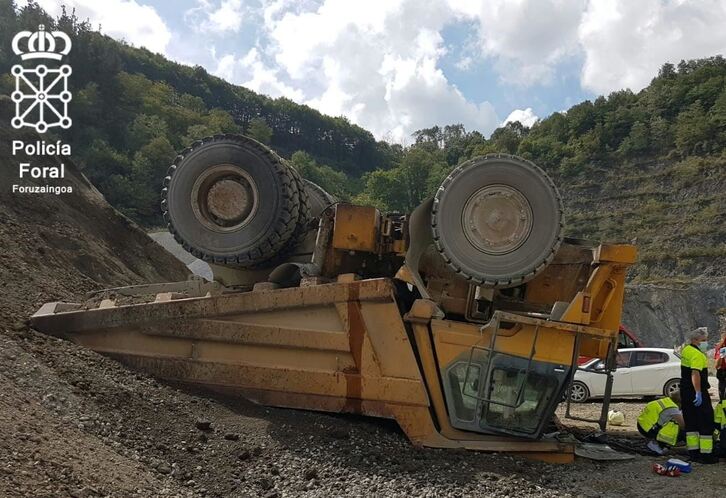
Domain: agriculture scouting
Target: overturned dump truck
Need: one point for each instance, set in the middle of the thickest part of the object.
(462, 321)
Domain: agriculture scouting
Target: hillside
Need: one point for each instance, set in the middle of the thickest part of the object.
(55, 247)
(647, 167)
(132, 110)
(673, 209)
(101, 63)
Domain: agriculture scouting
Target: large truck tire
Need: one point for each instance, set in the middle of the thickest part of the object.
(302, 226)
(497, 220)
(320, 199)
(228, 199)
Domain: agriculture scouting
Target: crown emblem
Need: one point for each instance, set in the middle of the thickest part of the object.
(41, 44)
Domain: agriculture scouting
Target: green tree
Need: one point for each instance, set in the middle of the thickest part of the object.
(88, 103)
(507, 138)
(637, 141)
(333, 182)
(7, 84)
(404, 187)
(544, 150)
(146, 128)
(7, 31)
(717, 119)
(692, 129)
(661, 136)
(259, 130)
(383, 190)
(100, 159)
(147, 173)
(221, 122)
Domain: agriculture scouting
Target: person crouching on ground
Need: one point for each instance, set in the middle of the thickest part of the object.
(661, 422)
(695, 400)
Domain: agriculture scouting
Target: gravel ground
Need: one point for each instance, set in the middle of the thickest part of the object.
(74, 423)
(631, 408)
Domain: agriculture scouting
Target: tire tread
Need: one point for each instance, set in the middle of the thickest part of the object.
(287, 220)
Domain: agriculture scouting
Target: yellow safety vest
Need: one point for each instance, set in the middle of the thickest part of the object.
(667, 433)
(693, 358)
(719, 415)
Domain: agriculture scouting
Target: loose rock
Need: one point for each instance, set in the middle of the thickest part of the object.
(203, 425)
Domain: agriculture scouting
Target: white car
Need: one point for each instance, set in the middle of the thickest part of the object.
(639, 372)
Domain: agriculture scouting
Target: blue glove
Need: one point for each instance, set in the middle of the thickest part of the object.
(699, 399)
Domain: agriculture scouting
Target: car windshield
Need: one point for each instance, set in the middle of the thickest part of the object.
(625, 341)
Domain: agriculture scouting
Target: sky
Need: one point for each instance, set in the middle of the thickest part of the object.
(396, 66)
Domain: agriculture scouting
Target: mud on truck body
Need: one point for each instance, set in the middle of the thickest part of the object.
(463, 321)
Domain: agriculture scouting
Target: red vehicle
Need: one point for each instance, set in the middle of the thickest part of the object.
(626, 339)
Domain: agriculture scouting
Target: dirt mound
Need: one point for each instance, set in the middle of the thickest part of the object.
(59, 246)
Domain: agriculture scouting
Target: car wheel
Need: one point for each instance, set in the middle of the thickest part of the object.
(579, 393)
(671, 386)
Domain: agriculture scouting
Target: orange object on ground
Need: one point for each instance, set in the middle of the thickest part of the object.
(666, 471)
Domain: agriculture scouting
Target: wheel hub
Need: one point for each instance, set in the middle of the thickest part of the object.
(229, 200)
(497, 219)
(224, 198)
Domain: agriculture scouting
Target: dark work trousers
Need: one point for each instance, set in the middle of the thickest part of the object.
(698, 418)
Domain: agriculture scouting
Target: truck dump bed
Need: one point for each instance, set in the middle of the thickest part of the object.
(348, 347)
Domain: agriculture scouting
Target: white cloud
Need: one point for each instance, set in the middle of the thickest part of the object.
(138, 24)
(623, 42)
(264, 79)
(626, 42)
(250, 71)
(376, 63)
(525, 38)
(525, 116)
(225, 67)
(464, 63)
(228, 17)
(211, 18)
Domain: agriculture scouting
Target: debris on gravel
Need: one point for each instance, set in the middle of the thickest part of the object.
(203, 425)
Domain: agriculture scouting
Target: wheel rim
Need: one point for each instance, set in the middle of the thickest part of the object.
(577, 392)
(672, 387)
(224, 198)
(497, 219)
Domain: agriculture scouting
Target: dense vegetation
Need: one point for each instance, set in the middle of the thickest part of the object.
(649, 165)
(132, 109)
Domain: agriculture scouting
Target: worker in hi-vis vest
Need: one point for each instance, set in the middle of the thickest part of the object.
(695, 400)
(719, 418)
(661, 422)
